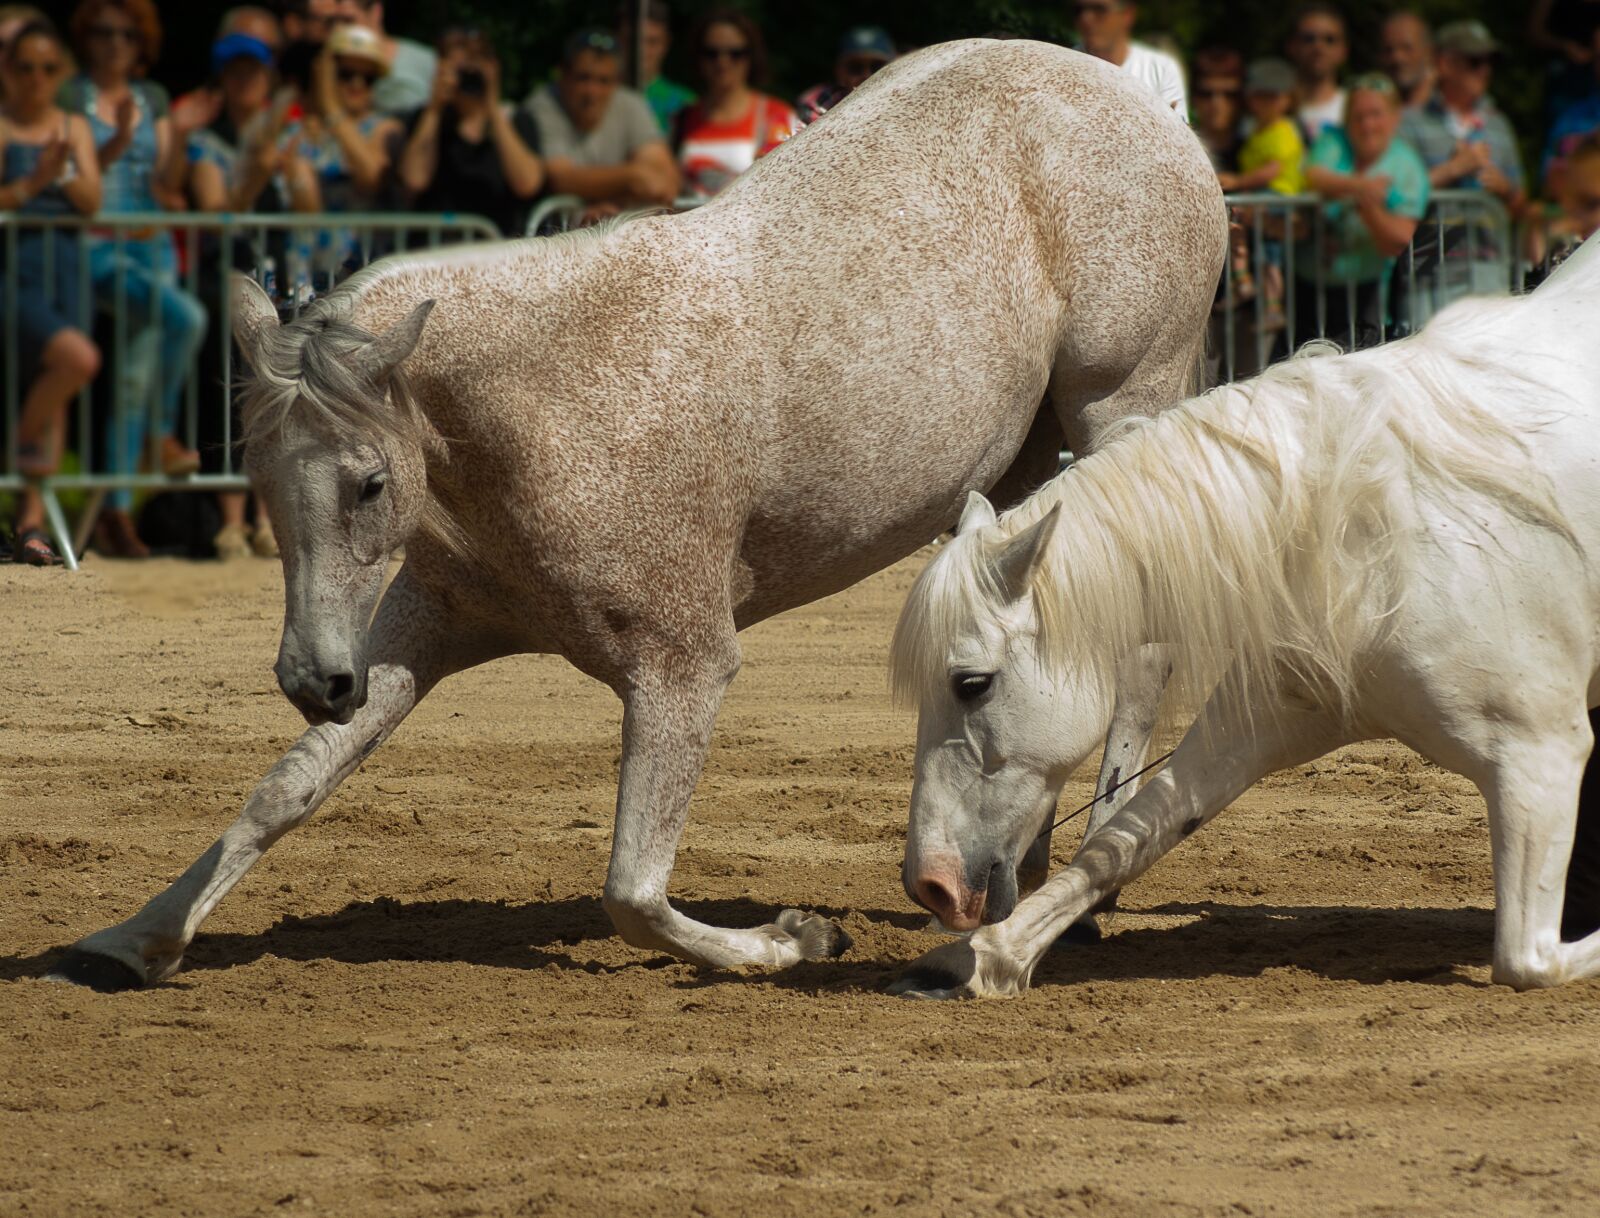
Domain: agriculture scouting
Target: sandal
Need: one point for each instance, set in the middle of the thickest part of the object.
(33, 548)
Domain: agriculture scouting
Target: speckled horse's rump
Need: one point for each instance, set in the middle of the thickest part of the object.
(625, 446)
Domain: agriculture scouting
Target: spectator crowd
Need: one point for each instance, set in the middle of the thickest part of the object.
(317, 107)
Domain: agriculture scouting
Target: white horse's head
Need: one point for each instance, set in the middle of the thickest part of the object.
(998, 733)
(337, 452)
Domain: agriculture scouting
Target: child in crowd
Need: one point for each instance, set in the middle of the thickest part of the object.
(1271, 158)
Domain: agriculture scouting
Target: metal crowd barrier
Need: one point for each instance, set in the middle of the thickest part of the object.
(562, 213)
(1462, 247)
(293, 256)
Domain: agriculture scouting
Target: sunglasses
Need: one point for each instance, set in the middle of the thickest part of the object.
(1208, 94)
(598, 40)
(1311, 38)
(349, 76)
(114, 33)
(1477, 63)
(731, 54)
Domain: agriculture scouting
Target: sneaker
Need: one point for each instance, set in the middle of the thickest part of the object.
(232, 543)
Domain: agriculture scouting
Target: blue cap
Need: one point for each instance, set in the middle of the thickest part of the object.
(868, 40)
(238, 46)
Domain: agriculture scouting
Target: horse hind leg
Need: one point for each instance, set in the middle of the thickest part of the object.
(667, 721)
(1533, 797)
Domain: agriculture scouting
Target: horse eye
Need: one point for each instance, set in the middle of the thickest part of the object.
(373, 487)
(972, 685)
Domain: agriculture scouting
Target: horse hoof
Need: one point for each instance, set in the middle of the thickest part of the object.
(1085, 932)
(104, 974)
(816, 937)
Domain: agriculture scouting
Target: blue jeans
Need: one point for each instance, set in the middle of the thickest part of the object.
(165, 325)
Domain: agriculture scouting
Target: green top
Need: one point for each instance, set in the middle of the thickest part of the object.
(666, 99)
(1351, 254)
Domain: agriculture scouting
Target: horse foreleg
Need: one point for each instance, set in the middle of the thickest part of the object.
(1141, 680)
(1532, 793)
(1219, 758)
(410, 654)
(666, 731)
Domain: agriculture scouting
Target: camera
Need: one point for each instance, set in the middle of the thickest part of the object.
(471, 82)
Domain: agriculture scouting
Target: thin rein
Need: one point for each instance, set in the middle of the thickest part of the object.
(1106, 794)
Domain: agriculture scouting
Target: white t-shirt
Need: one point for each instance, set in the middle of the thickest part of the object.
(1161, 73)
(1315, 118)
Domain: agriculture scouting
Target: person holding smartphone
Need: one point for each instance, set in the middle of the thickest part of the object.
(467, 150)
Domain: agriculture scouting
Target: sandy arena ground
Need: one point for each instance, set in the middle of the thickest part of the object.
(415, 1005)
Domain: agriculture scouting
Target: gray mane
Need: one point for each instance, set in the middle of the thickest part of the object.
(303, 376)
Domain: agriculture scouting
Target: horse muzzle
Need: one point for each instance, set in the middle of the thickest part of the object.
(324, 696)
(963, 897)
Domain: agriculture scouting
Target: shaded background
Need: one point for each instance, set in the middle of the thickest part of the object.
(801, 36)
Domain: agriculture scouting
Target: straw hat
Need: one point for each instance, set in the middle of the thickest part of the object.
(358, 42)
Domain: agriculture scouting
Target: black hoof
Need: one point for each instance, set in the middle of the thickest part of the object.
(101, 973)
(1082, 933)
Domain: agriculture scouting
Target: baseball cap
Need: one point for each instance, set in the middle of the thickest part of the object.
(238, 46)
(867, 40)
(1269, 76)
(1466, 38)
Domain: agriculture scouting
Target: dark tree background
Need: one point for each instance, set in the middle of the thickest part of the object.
(802, 33)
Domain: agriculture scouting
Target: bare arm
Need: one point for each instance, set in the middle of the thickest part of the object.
(84, 192)
(172, 165)
(1257, 179)
(661, 170)
(420, 159)
(523, 169)
(1330, 183)
(366, 157)
(1391, 233)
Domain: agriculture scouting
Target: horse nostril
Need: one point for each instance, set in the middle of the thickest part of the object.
(935, 897)
(340, 686)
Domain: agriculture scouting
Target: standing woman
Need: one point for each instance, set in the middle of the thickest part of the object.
(47, 168)
(117, 41)
(723, 134)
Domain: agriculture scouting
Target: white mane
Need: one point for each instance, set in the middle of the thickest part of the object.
(1253, 521)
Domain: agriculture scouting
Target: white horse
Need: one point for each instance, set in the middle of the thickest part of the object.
(625, 446)
(1395, 543)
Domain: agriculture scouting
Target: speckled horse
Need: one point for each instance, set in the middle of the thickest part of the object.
(626, 446)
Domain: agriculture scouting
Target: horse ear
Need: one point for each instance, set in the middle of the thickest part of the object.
(1014, 566)
(384, 354)
(978, 513)
(254, 316)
